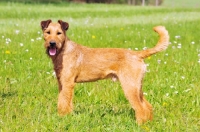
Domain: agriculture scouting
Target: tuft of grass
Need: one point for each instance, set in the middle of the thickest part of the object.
(28, 91)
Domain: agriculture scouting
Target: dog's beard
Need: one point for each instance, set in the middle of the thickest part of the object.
(52, 51)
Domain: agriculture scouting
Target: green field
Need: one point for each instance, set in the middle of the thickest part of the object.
(28, 90)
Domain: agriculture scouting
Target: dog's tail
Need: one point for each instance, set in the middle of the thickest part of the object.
(161, 45)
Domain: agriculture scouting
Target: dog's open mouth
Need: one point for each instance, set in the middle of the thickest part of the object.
(52, 51)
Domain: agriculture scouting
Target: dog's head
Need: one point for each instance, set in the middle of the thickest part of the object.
(54, 35)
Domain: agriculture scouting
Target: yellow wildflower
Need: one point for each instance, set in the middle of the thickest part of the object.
(93, 37)
(165, 104)
(7, 52)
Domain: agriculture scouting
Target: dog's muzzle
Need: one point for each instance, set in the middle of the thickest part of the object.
(52, 48)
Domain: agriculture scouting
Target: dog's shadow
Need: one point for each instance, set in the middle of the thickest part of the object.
(103, 110)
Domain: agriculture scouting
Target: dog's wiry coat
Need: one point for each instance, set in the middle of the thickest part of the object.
(74, 63)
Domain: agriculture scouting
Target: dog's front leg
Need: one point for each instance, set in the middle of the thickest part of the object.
(65, 97)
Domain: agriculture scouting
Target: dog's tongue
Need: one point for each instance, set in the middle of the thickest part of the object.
(52, 51)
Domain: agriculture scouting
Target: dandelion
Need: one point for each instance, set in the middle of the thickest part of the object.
(164, 104)
(122, 28)
(7, 52)
(93, 36)
(145, 128)
(149, 58)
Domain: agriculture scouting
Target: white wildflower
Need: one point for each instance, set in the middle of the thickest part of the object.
(17, 31)
(178, 36)
(179, 46)
(144, 48)
(187, 90)
(145, 93)
(39, 38)
(21, 44)
(176, 92)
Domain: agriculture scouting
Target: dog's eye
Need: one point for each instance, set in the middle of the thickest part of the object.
(48, 32)
(58, 33)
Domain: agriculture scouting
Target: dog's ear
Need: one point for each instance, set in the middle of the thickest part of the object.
(45, 24)
(64, 25)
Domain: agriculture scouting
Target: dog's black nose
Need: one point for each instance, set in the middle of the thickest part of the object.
(52, 43)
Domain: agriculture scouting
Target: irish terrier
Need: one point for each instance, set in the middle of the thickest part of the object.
(74, 63)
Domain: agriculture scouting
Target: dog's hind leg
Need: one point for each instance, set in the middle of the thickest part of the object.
(131, 81)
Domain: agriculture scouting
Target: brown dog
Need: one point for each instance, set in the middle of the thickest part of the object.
(74, 63)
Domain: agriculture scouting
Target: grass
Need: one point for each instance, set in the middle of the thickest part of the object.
(28, 91)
